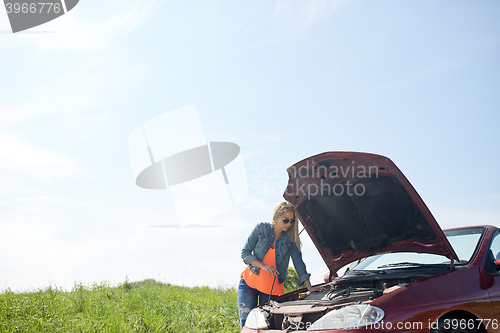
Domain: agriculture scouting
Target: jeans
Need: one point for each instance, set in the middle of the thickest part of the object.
(247, 300)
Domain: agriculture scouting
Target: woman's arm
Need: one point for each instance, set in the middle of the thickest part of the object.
(250, 259)
(300, 268)
(246, 253)
(299, 265)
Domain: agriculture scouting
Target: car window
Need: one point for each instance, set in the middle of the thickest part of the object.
(464, 242)
(382, 260)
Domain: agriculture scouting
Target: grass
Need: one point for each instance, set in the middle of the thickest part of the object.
(145, 306)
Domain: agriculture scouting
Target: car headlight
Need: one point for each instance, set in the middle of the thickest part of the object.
(352, 316)
(257, 320)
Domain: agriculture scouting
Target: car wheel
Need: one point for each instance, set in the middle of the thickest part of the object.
(453, 325)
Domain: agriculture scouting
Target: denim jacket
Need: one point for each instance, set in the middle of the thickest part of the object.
(260, 241)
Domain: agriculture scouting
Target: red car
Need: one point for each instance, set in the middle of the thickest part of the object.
(405, 274)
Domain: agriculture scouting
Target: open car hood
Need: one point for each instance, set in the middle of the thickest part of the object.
(355, 205)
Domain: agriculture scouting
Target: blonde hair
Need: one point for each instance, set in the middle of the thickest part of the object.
(279, 212)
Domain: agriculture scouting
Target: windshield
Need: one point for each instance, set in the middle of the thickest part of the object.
(463, 241)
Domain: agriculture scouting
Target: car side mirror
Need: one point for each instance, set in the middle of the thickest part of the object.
(330, 276)
(492, 266)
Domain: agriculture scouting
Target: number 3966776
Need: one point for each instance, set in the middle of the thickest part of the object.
(41, 7)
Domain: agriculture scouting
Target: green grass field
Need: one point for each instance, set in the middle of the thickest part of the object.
(145, 306)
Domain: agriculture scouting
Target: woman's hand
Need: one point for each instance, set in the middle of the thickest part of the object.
(316, 288)
(312, 289)
(270, 269)
(273, 271)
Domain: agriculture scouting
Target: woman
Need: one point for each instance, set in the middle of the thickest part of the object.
(267, 253)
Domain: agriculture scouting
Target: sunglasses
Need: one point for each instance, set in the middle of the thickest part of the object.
(286, 220)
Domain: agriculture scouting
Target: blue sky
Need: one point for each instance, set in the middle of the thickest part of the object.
(416, 81)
